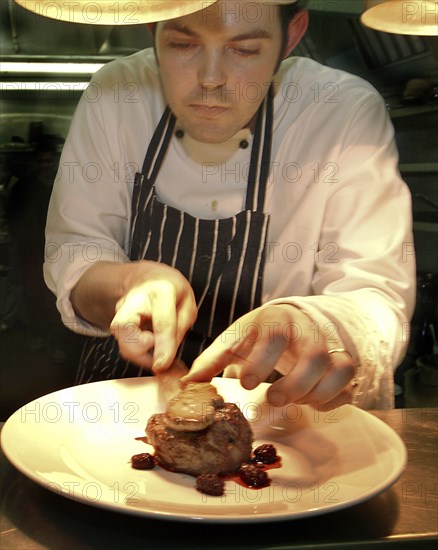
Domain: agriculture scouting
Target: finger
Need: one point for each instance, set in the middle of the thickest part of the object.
(162, 298)
(127, 313)
(222, 353)
(187, 313)
(311, 366)
(261, 360)
(134, 344)
(232, 371)
(209, 364)
(251, 357)
(338, 376)
(273, 345)
(227, 352)
(171, 318)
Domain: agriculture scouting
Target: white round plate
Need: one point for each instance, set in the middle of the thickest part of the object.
(78, 442)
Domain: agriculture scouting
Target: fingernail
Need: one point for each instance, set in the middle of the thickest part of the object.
(277, 398)
(250, 381)
(159, 362)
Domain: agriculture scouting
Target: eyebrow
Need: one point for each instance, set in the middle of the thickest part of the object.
(250, 35)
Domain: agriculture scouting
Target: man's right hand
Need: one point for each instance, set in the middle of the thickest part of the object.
(152, 306)
(153, 317)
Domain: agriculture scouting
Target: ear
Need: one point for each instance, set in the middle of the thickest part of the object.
(151, 27)
(296, 30)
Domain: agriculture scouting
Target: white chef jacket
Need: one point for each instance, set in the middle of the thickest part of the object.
(340, 243)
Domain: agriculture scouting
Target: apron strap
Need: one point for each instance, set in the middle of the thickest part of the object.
(260, 156)
(158, 145)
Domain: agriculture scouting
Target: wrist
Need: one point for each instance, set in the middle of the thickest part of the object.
(312, 330)
(95, 295)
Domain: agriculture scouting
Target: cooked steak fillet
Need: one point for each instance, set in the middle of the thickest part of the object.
(220, 446)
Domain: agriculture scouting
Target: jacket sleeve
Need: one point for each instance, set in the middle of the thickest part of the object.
(364, 270)
(88, 216)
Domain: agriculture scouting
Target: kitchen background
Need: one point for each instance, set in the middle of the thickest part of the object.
(37, 353)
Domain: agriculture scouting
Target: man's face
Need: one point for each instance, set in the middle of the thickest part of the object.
(217, 64)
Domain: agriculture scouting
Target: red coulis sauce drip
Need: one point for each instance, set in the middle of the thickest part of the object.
(251, 475)
(237, 477)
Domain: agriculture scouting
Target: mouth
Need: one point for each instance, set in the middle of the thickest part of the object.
(209, 111)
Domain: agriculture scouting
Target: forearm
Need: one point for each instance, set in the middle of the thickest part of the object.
(97, 292)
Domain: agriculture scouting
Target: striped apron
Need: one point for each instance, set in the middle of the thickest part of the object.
(223, 259)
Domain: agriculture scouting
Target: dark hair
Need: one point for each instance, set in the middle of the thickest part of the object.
(287, 13)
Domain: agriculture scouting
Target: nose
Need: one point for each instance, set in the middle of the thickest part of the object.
(211, 74)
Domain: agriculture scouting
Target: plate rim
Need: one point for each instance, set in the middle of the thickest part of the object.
(203, 516)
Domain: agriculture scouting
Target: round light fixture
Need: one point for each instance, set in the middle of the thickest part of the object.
(114, 12)
(412, 17)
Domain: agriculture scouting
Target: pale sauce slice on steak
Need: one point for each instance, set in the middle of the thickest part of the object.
(193, 408)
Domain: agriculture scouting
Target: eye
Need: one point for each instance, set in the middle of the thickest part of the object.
(245, 48)
(246, 52)
(183, 46)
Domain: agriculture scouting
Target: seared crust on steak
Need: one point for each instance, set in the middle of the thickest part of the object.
(218, 448)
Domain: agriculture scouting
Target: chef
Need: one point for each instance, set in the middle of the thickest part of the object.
(225, 203)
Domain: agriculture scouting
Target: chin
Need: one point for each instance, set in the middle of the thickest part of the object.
(208, 136)
(207, 131)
